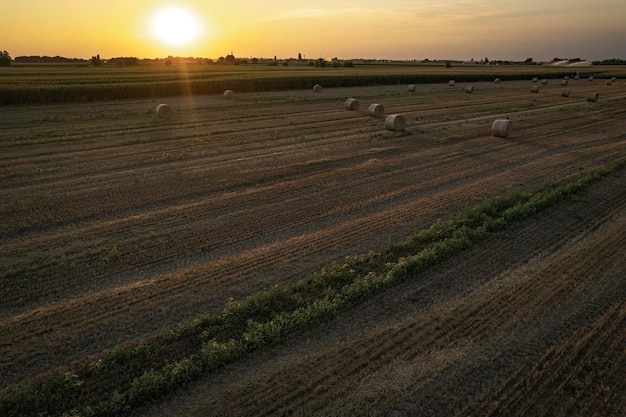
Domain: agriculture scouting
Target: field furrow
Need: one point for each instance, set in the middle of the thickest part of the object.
(118, 224)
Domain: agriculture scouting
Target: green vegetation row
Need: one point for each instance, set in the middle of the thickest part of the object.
(137, 374)
(24, 85)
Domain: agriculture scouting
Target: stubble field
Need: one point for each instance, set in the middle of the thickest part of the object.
(118, 224)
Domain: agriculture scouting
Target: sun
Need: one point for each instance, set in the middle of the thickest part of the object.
(175, 25)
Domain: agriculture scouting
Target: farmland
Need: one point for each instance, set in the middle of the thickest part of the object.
(277, 254)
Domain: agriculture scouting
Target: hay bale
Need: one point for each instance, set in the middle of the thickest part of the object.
(451, 83)
(164, 110)
(564, 83)
(534, 89)
(412, 88)
(502, 128)
(376, 110)
(593, 97)
(544, 82)
(613, 79)
(352, 104)
(469, 89)
(566, 77)
(566, 92)
(229, 94)
(576, 77)
(317, 88)
(395, 122)
(535, 79)
(609, 82)
(590, 78)
(497, 81)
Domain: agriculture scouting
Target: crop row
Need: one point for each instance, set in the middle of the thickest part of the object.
(153, 82)
(136, 374)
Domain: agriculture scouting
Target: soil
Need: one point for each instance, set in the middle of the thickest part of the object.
(119, 223)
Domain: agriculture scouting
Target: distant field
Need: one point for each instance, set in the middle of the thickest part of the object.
(45, 84)
(276, 254)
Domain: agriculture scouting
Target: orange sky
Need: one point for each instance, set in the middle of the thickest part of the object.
(395, 29)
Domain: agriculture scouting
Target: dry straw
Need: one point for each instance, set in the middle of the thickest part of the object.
(502, 128)
(164, 110)
(534, 89)
(469, 89)
(352, 104)
(412, 88)
(593, 97)
(317, 88)
(229, 94)
(395, 122)
(566, 92)
(451, 83)
(376, 110)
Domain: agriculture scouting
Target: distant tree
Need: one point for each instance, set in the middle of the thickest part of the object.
(448, 65)
(5, 59)
(486, 60)
(299, 56)
(125, 61)
(528, 61)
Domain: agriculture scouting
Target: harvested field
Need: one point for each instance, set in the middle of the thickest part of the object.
(118, 224)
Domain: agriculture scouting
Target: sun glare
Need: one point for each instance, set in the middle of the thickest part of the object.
(175, 25)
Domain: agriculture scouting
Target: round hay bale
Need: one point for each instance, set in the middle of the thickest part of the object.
(164, 110)
(534, 89)
(412, 88)
(352, 104)
(535, 79)
(229, 94)
(502, 128)
(593, 97)
(564, 83)
(469, 89)
(613, 79)
(395, 122)
(497, 81)
(566, 92)
(544, 81)
(590, 78)
(577, 77)
(609, 82)
(566, 77)
(451, 83)
(317, 88)
(376, 110)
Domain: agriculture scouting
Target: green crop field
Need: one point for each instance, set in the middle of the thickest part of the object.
(45, 84)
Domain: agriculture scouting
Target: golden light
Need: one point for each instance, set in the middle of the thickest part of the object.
(175, 25)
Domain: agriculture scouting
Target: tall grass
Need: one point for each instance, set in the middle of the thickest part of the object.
(24, 84)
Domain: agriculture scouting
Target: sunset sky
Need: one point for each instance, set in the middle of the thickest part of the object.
(394, 29)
